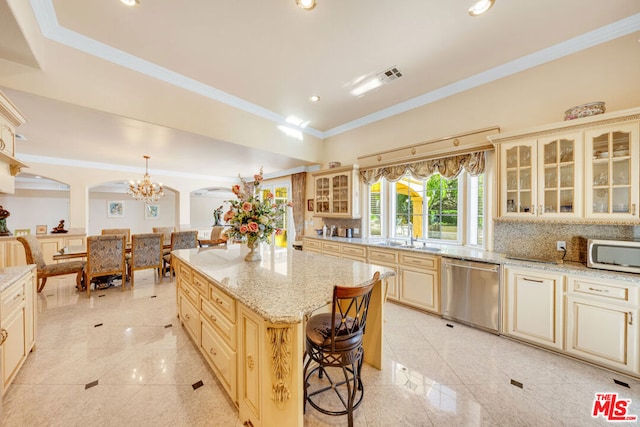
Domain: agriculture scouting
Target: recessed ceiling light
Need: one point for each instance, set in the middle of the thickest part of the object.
(314, 98)
(21, 137)
(130, 2)
(306, 4)
(480, 6)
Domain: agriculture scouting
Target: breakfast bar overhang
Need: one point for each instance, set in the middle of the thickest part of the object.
(248, 319)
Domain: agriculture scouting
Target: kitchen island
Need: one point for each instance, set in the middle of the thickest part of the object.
(248, 319)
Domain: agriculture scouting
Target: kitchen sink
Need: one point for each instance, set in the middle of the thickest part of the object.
(400, 244)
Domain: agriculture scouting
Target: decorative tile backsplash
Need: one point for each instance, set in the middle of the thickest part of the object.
(538, 239)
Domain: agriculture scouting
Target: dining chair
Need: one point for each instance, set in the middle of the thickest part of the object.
(33, 253)
(218, 237)
(125, 231)
(180, 240)
(166, 236)
(334, 343)
(146, 252)
(105, 257)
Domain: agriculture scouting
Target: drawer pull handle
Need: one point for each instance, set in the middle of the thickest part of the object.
(631, 318)
(212, 317)
(186, 291)
(212, 351)
(250, 362)
(186, 316)
(606, 291)
(533, 280)
(18, 296)
(219, 301)
(3, 335)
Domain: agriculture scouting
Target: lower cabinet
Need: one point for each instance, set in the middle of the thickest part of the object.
(220, 356)
(534, 306)
(419, 281)
(602, 323)
(386, 258)
(249, 358)
(12, 252)
(17, 308)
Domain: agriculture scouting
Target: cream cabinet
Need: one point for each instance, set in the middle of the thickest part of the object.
(386, 258)
(602, 322)
(542, 177)
(209, 317)
(336, 249)
(587, 168)
(17, 308)
(419, 281)
(336, 193)
(534, 306)
(10, 118)
(612, 174)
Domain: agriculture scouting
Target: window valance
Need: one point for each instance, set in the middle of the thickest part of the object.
(448, 167)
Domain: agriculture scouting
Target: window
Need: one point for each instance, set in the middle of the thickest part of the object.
(427, 209)
(437, 208)
(375, 210)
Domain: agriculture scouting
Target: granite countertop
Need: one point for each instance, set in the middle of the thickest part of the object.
(9, 275)
(481, 255)
(285, 285)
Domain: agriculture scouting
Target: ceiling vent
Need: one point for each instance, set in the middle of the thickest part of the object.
(389, 75)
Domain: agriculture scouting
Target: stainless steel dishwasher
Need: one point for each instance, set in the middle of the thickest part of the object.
(471, 293)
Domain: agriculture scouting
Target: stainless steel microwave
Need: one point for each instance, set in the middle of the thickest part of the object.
(617, 255)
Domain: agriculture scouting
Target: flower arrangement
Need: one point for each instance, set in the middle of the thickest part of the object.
(250, 218)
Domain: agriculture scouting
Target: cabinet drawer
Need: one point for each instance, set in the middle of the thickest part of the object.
(606, 291)
(380, 255)
(188, 291)
(312, 244)
(219, 321)
(221, 357)
(223, 302)
(357, 251)
(331, 247)
(429, 262)
(190, 318)
(12, 298)
(200, 283)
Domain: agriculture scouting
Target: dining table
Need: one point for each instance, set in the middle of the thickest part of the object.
(80, 251)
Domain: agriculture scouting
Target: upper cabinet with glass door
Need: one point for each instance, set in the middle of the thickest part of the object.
(587, 168)
(612, 171)
(539, 177)
(336, 193)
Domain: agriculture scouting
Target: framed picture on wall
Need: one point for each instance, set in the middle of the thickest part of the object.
(310, 205)
(151, 212)
(115, 209)
(41, 229)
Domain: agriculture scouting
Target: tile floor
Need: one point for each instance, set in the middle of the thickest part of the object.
(132, 344)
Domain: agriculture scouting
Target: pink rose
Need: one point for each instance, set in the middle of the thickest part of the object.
(253, 227)
(228, 216)
(243, 229)
(269, 195)
(257, 177)
(235, 189)
(246, 206)
(278, 231)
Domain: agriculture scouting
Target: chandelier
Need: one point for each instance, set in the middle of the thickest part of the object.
(146, 189)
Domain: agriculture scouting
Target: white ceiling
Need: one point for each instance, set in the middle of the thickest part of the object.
(266, 57)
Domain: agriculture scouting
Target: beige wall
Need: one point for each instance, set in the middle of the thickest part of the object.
(608, 72)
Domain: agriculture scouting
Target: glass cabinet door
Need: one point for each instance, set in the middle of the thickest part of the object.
(519, 179)
(558, 183)
(340, 189)
(613, 172)
(322, 195)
